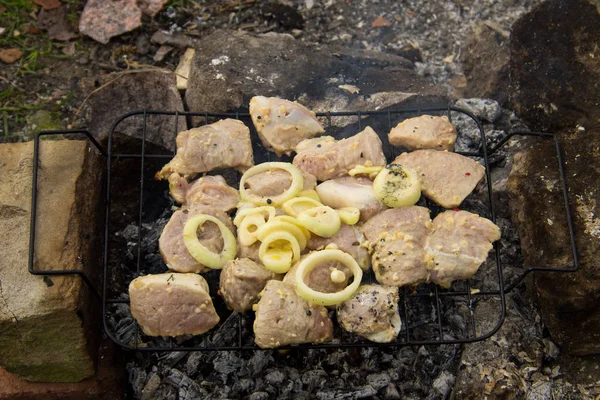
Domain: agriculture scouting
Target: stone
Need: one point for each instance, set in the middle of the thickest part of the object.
(555, 66)
(485, 109)
(101, 20)
(485, 59)
(183, 68)
(151, 7)
(171, 39)
(162, 52)
(10, 56)
(48, 324)
(106, 384)
(568, 301)
(231, 67)
(56, 23)
(123, 93)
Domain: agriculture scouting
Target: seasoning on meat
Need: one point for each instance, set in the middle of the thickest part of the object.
(208, 190)
(172, 304)
(241, 281)
(446, 178)
(326, 158)
(372, 313)
(224, 144)
(283, 318)
(424, 132)
(282, 124)
(396, 237)
(458, 244)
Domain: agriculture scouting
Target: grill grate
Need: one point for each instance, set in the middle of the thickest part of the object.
(428, 312)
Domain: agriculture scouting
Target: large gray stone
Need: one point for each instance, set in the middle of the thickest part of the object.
(555, 65)
(568, 301)
(231, 67)
(113, 95)
(47, 324)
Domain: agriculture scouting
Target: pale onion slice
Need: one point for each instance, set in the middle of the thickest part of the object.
(323, 221)
(349, 215)
(292, 220)
(310, 194)
(247, 231)
(397, 186)
(272, 226)
(267, 211)
(200, 253)
(364, 170)
(317, 258)
(295, 206)
(272, 251)
(295, 187)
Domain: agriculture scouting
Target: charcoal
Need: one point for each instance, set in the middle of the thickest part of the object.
(275, 377)
(172, 358)
(137, 379)
(379, 380)
(152, 384)
(444, 383)
(484, 109)
(226, 363)
(259, 396)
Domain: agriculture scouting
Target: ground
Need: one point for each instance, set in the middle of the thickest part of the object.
(47, 74)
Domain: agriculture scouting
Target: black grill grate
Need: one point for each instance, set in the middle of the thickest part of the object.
(428, 312)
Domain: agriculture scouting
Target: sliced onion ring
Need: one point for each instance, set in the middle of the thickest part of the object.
(323, 221)
(349, 215)
(285, 264)
(246, 237)
(295, 206)
(243, 212)
(202, 254)
(317, 258)
(295, 187)
(272, 226)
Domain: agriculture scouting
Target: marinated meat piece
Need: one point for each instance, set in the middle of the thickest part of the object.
(241, 281)
(327, 160)
(446, 178)
(424, 132)
(351, 192)
(224, 144)
(348, 239)
(372, 313)
(283, 317)
(282, 124)
(172, 304)
(458, 244)
(250, 252)
(319, 278)
(208, 190)
(396, 237)
(171, 244)
(274, 182)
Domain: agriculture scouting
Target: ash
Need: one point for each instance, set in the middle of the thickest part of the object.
(414, 372)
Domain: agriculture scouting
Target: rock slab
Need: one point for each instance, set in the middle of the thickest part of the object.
(568, 301)
(555, 65)
(42, 335)
(231, 67)
(114, 95)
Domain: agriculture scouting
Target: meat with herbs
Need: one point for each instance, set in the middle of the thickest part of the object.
(446, 178)
(458, 244)
(275, 182)
(224, 144)
(351, 191)
(326, 158)
(348, 239)
(241, 281)
(282, 124)
(424, 132)
(172, 304)
(284, 318)
(172, 247)
(372, 313)
(396, 237)
(209, 190)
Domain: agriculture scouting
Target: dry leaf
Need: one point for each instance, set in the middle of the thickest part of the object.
(9, 56)
(48, 4)
(350, 89)
(380, 22)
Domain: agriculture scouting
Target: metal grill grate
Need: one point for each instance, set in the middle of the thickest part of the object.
(428, 312)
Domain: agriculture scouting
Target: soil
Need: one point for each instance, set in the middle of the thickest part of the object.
(46, 77)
